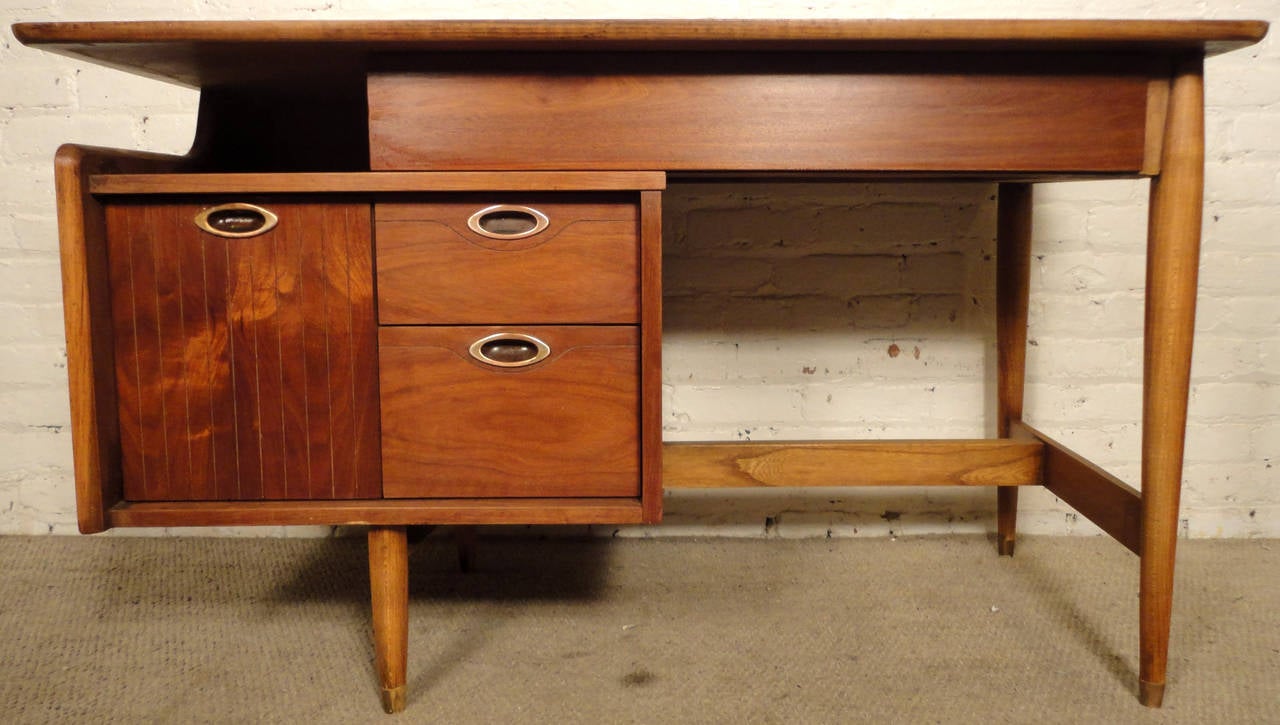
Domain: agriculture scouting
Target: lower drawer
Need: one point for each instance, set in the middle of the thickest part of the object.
(510, 412)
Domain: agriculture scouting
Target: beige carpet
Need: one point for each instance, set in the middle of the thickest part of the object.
(935, 630)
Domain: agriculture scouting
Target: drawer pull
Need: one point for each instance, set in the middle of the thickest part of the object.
(504, 221)
(236, 220)
(509, 350)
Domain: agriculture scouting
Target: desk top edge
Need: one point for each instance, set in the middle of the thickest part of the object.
(1213, 36)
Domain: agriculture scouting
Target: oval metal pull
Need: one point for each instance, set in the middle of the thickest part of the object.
(505, 221)
(236, 220)
(509, 350)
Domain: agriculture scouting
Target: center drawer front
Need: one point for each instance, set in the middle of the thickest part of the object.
(567, 426)
(436, 265)
(961, 112)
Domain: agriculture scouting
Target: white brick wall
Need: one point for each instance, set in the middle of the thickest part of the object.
(794, 311)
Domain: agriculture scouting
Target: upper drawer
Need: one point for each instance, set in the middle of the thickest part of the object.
(502, 258)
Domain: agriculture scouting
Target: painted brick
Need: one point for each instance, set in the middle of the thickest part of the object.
(32, 139)
(1235, 401)
(1243, 229)
(27, 187)
(35, 85)
(1231, 274)
(26, 324)
(1085, 404)
(1117, 228)
(31, 278)
(38, 364)
(1238, 316)
(1230, 484)
(1085, 272)
(1088, 359)
(1056, 222)
(1255, 131)
(171, 133)
(1114, 314)
(839, 276)
(29, 233)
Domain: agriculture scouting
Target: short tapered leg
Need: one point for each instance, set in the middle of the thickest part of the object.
(389, 587)
(1013, 271)
(1173, 254)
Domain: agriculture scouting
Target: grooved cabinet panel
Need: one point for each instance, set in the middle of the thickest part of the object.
(245, 366)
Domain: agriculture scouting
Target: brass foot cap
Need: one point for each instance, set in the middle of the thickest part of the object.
(393, 700)
(1150, 693)
(1005, 547)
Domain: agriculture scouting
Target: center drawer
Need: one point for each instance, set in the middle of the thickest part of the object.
(531, 411)
(468, 259)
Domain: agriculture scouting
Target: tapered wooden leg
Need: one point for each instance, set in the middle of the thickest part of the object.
(1013, 271)
(389, 586)
(1173, 255)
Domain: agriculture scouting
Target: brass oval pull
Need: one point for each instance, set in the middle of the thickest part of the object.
(505, 221)
(509, 350)
(236, 221)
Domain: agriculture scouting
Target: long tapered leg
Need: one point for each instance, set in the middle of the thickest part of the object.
(1013, 271)
(389, 589)
(1173, 255)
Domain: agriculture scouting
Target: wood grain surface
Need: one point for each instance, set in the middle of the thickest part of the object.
(455, 427)
(86, 305)
(389, 595)
(651, 448)
(245, 367)
(389, 512)
(1013, 286)
(852, 463)
(582, 269)
(1110, 503)
(810, 114)
(386, 181)
(1173, 263)
(221, 53)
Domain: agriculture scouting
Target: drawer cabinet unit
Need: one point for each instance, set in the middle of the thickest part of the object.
(495, 258)
(510, 411)
(244, 341)
(510, 345)
(224, 344)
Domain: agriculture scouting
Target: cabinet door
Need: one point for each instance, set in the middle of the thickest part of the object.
(246, 365)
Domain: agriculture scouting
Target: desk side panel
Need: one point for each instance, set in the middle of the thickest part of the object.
(86, 296)
(969, 115)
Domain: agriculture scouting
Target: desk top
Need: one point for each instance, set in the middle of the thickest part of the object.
(208, 53)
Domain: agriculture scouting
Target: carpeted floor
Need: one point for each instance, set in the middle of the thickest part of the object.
(931, 630)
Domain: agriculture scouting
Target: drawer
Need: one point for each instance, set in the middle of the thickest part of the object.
(563, 426)
(711, 112)
(531, 260)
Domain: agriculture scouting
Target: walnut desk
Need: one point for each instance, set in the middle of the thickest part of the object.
(409, 272)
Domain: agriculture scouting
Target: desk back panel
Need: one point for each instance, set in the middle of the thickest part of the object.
(957, 113)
